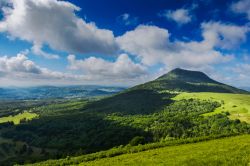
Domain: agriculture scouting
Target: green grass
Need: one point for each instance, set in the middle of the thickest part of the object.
(227, 151)
(17, 118)
(238, 105)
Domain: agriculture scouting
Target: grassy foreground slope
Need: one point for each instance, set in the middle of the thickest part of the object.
(238, 105)
(224, 151)
(227, 151)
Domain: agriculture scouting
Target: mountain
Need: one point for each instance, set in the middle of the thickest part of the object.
(145, 98)
(181, 80)
(46, 92)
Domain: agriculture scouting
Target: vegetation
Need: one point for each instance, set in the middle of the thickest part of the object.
(150, 113)
(226, 151)
(25, 116)
(237, 105)
(80, 126)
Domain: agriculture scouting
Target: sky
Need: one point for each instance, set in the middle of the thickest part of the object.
(122, 42)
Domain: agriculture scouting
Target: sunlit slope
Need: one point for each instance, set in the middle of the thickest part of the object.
(238, 105)
(228, 151)
(25, 116)
(225, 151)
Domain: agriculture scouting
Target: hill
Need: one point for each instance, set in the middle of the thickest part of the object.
(226, 151)
(153, 96)
(181, 80)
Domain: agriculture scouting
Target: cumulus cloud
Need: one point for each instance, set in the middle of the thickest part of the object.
(242, 7)
(19, 63)
(20, 66)
(54, 23)
(225, 36)
(152, 45)
(180, 16)
(20, 70)
(122, 69)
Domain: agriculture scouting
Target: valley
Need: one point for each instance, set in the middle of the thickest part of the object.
(161, 113)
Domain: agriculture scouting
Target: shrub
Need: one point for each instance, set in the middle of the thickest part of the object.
(137, 140)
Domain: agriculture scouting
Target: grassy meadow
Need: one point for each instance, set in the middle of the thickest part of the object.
(224, 151)
(19, 117)
(238, 105)
(227, 151)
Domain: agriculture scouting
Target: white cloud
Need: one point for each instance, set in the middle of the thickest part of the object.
(20, 67)
(19, 63)
(180, 16)
(122, 69)
(127, 19)
(238, 74)
(149, 43)
(19, 70)
(242, 7)
(54, 23)
(152, 45)
(225, 36)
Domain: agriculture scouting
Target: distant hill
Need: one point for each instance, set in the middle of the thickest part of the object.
(46, 92)
(188, 81)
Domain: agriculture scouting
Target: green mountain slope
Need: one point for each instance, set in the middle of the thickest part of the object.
(188, 81)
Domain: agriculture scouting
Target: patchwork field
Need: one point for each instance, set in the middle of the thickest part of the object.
(238, 105)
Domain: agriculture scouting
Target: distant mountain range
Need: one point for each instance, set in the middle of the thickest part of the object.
(44, 92)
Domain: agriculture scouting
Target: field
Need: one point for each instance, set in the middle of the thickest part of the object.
(19, 117)
(238, 105)
(226, 151)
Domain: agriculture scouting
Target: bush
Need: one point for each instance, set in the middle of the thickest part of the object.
(137, 140)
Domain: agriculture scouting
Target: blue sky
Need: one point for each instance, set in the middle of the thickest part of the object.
(122, 42)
